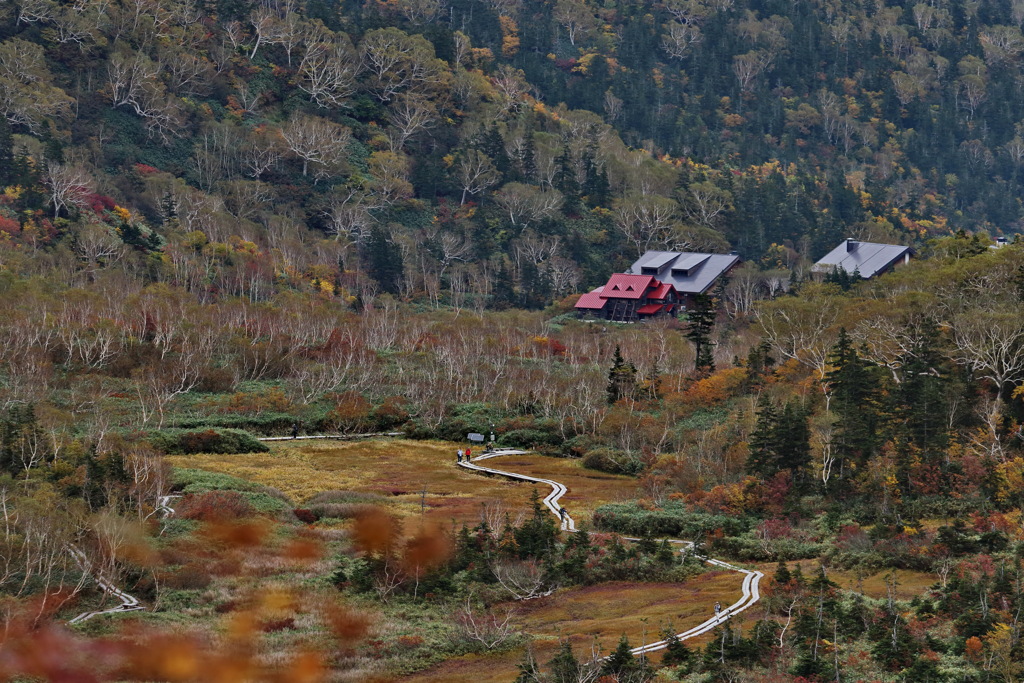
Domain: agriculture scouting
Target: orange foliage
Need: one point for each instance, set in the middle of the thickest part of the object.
(732, 499)
(973, 649)
(717, 388)
(427, 549)
(375, 532)
(509, 35)
(237, 534)
(214, 506)
(139, 653)
(351, 411)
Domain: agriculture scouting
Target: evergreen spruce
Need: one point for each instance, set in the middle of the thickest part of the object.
(701, 318)
(854, 385)
(676, 652)
(384, 260)
(529, 671)
(621, 662)
(6, 153)
(621, 378)
(565, 668)
(782, 575)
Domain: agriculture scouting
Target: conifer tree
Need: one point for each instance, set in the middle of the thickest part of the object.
(854, 387)
(529, 671)
(566, 183)
(701, 318)
(621, 378)
(623, 665)
(565, 668)
(537, 534)
(6, 153)
(676, 652)
(384, 260)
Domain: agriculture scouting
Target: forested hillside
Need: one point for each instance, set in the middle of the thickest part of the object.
(511, 150)
(227, 220)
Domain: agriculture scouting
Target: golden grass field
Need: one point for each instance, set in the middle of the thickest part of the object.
(402, 470)
(599, 614)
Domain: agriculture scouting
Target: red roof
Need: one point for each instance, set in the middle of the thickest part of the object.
(592, 301)
(661, 291)
(622, 286)
(650, 309)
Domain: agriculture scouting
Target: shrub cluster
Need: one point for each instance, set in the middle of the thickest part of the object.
(183, 442)
(672, 519)
(613, 461)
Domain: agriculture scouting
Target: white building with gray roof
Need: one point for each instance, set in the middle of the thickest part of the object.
(868, 259)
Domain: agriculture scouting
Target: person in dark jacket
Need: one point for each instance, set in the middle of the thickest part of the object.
(295, 430)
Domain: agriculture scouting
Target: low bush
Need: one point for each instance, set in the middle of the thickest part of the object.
(673, 519)
(339, 510)
(529, 438)
(263, 499)
(612, 460)
(188, 577)
(751, 549)
(346, 497)
(214, 506)
(183, 442)
(188, 480)
(304, 515)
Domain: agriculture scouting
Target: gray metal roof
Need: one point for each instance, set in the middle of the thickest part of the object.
(867, 258)
(653, 259)
(702, 269)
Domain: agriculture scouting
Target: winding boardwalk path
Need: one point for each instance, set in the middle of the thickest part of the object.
(751, 579)
(129, 603)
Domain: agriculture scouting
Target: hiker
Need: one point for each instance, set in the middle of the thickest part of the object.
(561, 513)
(468, 452)
(459, 455)
(295, 430)
(718, 610)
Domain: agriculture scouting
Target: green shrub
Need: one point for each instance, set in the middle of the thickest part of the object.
(612, 460)
(183, 442)
(673, 519)
(750, 549)
(528, 438)
(263, 499)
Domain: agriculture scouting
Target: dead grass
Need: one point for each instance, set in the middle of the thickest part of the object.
(909, 583)
(599, 614)
(402, 470)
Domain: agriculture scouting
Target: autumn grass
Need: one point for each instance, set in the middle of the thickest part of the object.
(411, 474)
(401, 470)
(599, 615)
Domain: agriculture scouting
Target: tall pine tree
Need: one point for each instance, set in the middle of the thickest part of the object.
(384, 259)
(701, 318)
(855, 389)
(621, 378)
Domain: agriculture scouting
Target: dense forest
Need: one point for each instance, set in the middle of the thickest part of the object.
(223, 220)
(506, 150)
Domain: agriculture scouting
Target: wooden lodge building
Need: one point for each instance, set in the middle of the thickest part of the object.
(630, 297)
(659, 283)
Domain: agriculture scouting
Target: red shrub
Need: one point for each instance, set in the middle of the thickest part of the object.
(214, 506)
(9, 225)
(274, 625)
(190, 576)
(304, 516)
